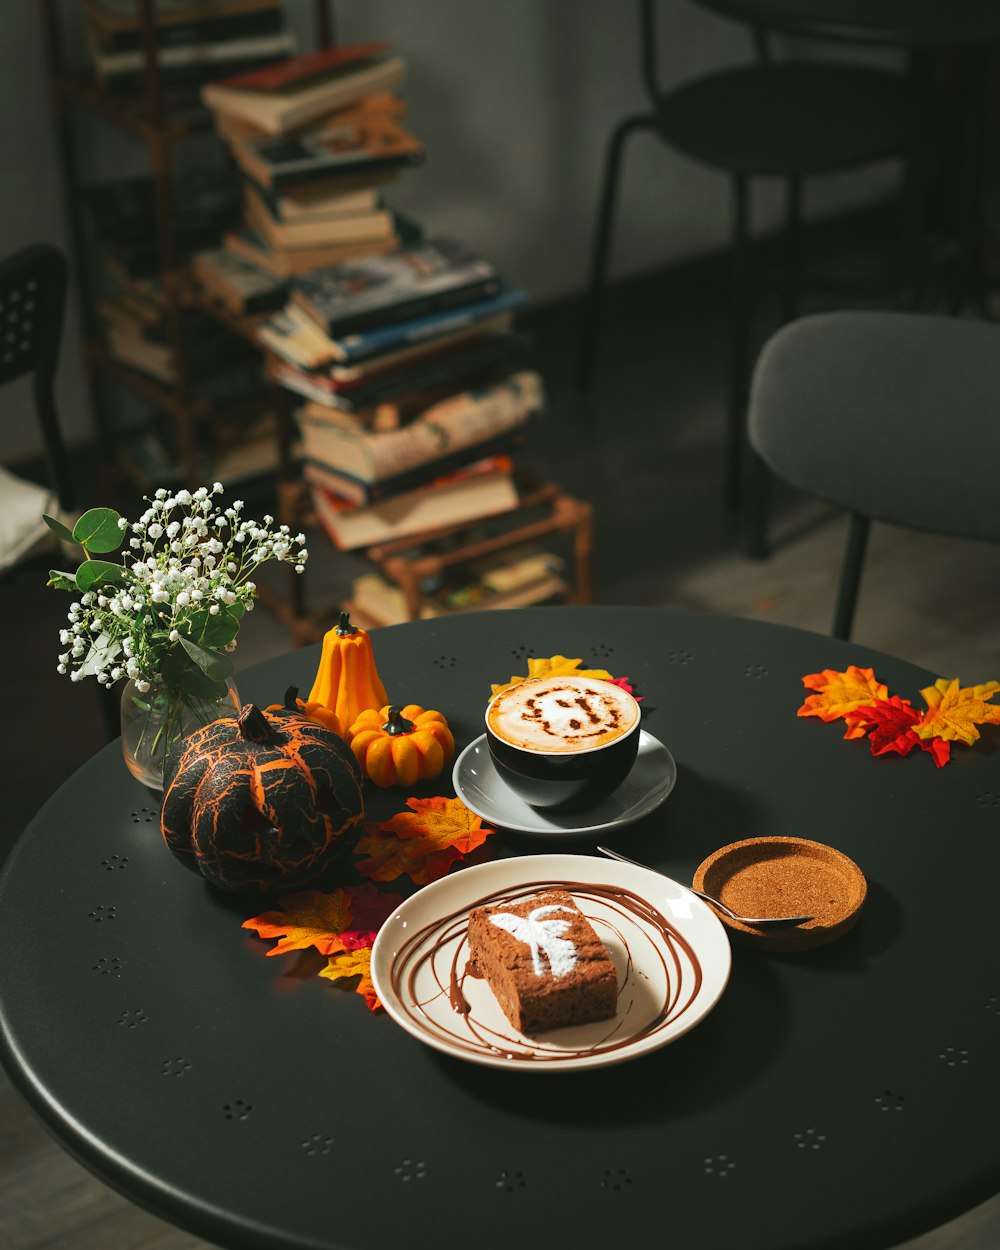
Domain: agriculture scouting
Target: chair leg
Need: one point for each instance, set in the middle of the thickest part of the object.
(850, 575)
(755, 543)
(739, 341)
(601, 247)
(793, 233)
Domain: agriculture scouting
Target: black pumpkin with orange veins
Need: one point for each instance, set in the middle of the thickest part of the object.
(260, 801)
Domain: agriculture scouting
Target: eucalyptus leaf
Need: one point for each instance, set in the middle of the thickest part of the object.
(217, 631)
(98, 530)
(102, 651)
(62, 581)
(91, 572)
(57, 527)
(211, 663)
(180, 672)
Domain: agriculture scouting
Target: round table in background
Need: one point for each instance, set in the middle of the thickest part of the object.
(843, 1097)
(897, 23)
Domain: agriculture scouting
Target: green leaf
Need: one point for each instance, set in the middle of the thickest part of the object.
(98, 530)
(57, 527)
(91, 572)
(62, 581)
(102, 651)
(215, 632)
(180, 671)
(212, 664)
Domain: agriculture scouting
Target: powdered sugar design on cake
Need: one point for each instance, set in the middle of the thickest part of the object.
(543, 937)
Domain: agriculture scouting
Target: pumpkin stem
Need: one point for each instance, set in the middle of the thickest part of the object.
(292, 699)
(397, 723)
(344, 625)
(252, 724)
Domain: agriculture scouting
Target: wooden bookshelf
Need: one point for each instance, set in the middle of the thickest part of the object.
(148, 118)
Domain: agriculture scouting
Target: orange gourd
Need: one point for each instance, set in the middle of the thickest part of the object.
(347, 681)
(317, 712)
(397, 747)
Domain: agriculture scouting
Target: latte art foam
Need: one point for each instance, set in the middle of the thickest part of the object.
(562, 714)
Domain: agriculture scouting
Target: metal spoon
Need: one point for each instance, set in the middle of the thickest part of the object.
(758, 922)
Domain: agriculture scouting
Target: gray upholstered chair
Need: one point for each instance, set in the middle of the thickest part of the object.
(894, 416)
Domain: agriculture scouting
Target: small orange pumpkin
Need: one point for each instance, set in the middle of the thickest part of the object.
(396, 747)
(347, 681)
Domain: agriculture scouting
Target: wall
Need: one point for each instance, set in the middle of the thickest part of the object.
(514, 100)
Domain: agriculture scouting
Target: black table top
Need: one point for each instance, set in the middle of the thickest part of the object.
(900, 23)
(843, 1097)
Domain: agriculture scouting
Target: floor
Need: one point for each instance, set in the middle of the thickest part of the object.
(646, 448)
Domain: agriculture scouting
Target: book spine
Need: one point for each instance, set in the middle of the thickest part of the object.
(366, 344)
(444, 429)
(357, 491)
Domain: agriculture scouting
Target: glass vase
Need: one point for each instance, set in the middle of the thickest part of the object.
(153, 721)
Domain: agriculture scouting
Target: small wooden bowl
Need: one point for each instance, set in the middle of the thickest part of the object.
(785, 877)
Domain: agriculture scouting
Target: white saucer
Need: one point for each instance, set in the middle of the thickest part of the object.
(478, 785)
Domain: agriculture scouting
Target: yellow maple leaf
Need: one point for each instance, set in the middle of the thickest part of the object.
(841, 692)
(423, 842)
(440, 822)
(954, 711)
(310, 918)
(356, 963)
(389, 857)
(554, 666)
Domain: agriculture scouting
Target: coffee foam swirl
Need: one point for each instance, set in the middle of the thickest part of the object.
(562, 714)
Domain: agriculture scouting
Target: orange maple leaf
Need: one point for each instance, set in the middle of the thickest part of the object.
(356, 963)
(389, 858)
(423, 842)
(554, 666)
(840, 693)
(954, 711)
(440, 822)
(310, 918)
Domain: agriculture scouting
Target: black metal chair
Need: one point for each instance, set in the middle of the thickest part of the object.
(891, 415)
(32, 302)
(793, 121)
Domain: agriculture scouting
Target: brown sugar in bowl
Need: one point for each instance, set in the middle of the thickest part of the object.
(785, 877)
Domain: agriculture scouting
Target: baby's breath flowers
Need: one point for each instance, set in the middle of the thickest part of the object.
(168, 613)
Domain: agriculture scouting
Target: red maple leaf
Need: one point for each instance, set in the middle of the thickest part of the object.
(891, 726)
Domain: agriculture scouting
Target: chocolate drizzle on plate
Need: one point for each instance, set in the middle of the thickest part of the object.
(432, 967)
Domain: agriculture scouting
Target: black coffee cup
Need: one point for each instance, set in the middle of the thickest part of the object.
(566, 780)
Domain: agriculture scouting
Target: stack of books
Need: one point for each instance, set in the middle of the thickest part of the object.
(514, 579)
(315, 138)
(416, 387)
(196, 40)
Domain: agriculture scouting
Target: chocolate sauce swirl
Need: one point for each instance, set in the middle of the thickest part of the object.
(440, 949)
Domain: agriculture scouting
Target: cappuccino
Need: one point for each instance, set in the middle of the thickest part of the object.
(562, 715)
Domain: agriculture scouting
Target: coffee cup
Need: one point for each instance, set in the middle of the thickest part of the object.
(563, 744)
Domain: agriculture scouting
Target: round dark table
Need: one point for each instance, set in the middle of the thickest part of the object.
(843, 1097)
(898, 23)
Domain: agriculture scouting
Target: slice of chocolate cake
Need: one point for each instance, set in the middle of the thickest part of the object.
(543, 961)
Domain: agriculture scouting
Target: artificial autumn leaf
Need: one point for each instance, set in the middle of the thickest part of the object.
(356, 963)
(370, 908)
(440, 822)
(954, 711)
(623, 682)
(388, 857)
(891, 726)
(310, 918)
(423, 842)
(554, 666)
(839, 693)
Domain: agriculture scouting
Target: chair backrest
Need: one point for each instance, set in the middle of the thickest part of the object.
(894, 416)
(32, 301)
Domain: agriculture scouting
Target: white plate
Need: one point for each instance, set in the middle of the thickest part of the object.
(480, 788)
(669, 976)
